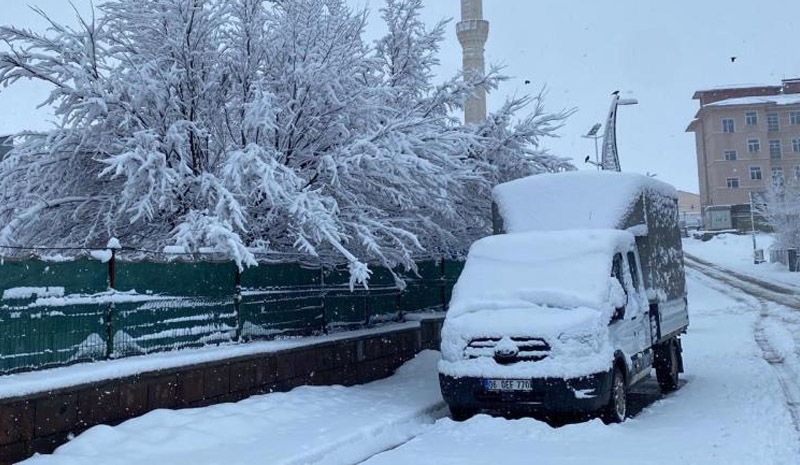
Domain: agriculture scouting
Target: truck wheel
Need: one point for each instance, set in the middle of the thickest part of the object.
(461, 414)
(617, 408)
(668, 366)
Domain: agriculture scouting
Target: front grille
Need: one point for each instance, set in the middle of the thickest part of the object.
(528, 349)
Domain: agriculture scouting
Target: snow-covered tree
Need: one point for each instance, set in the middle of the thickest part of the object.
(780, 207)
(253, 126)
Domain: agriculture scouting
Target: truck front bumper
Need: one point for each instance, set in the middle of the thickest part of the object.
(586, 394)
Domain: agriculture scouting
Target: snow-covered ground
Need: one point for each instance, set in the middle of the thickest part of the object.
(309, 425)
(736, 253)
(730, 410)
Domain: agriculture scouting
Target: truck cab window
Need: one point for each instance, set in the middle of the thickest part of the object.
(634, 270)
(616, 269)
(616, 272)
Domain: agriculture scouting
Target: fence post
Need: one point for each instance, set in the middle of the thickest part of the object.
(237, 300)
(443, 283)
(401, 315)
(366, 308)
(112, 285)
(324, 294)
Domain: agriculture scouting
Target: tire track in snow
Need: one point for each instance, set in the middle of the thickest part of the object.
(750, 285)
(752, 294)
(440, 412)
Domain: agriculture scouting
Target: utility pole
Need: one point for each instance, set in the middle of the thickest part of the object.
(758, 257)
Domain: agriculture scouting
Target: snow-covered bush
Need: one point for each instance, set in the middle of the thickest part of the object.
(780, 207)
(255, 126)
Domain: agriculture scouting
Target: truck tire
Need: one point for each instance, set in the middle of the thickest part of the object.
(461, 414)
(617, 409)
(668, 366)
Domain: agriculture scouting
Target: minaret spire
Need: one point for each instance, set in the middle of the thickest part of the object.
(473, 31)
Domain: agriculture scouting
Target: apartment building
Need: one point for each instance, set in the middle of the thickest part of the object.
(746, 137)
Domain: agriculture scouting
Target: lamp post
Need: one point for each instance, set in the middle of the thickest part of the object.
(757, 258)
(594, 134)
(610, 159)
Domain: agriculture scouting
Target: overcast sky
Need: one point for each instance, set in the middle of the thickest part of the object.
(657, 51)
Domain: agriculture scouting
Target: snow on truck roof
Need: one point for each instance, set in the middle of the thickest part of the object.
(565, 269)
(574, 200)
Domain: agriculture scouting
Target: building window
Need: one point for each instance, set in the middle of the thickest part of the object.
(751, 118)
(727, 125)
(733, 183)
(773, 124)
(795, 117)
(753, 145)
(755, 173)
(775, 149)
(777, 176)
(796, 144)
(730, 155)
(797, 172)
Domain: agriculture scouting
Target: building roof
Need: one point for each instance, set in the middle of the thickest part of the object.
(783, 99)
(768, 100)
(697, 95)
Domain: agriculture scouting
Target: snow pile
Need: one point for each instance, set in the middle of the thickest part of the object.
(18, 293)
(576, 200)
(101, 255)
(309, 425)
(101, 298)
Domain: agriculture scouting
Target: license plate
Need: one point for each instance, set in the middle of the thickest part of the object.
(507, 384)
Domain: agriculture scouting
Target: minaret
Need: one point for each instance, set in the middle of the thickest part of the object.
(472, 33)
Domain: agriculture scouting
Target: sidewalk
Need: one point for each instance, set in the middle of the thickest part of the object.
(735, 252)
(309, 425)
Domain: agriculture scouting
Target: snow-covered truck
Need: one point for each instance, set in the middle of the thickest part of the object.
(579, 295)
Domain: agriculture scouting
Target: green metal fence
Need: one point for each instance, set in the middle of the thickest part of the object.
(63, 312)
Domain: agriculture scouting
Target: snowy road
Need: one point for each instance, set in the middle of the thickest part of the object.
(733, 408)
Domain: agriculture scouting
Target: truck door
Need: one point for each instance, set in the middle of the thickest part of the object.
(630, 329)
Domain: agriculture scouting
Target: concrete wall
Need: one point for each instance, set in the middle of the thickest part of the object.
(688, 202)
(42, 422)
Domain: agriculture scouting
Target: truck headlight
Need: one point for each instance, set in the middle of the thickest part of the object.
(580, 342)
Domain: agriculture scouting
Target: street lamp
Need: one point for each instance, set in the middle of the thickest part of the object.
(594, 134)
(610, 158)
(758, 255)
